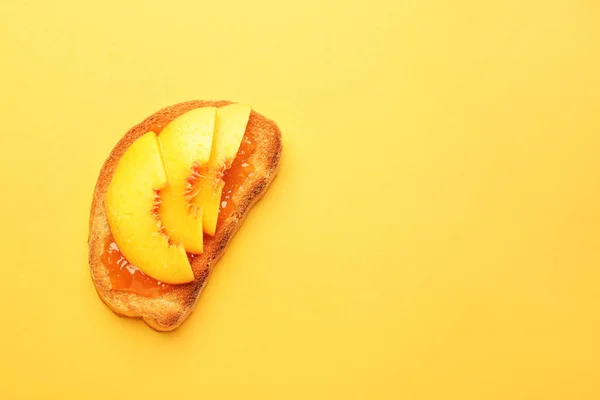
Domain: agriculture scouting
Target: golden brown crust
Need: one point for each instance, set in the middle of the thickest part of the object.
(168, 311)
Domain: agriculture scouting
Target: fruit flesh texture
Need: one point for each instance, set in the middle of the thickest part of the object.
(126, 277)
(230, 125)
(186, 145)
(130, 201)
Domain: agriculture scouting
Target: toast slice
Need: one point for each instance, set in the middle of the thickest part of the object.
(170, 309)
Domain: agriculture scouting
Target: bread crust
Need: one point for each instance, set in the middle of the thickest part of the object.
(169, 310)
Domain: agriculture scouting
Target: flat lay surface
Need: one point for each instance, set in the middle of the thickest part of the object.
(433, 232)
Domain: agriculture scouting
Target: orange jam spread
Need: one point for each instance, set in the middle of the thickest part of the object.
(157, 127)
(238, 173)
(126, 277)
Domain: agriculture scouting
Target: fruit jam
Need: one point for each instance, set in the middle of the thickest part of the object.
(126, 277)
(234, 176)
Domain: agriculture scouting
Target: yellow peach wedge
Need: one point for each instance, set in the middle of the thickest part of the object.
(186, 145)
(230, 126)
(131, 202)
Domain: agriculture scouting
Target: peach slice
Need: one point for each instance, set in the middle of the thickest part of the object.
(130, 209)
(230, 126)
(186, 145)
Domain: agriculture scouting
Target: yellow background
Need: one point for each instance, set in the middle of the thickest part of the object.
(433, 234)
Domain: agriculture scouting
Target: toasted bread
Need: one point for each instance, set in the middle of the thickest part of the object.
(170, 309)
